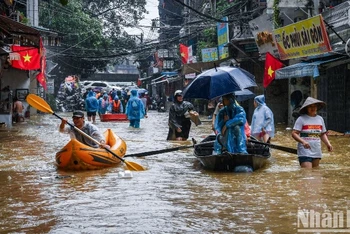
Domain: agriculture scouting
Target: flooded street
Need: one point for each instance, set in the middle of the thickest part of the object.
(175, 195)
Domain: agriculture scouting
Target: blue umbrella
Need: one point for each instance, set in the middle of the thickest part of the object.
(97, 89)
(243, 95)
(141, 91)
(219, 81)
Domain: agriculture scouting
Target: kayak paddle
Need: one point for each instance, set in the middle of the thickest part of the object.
(168, 150)
(41, 105)
(279, 147)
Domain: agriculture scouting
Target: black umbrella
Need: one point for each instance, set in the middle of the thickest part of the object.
(219, 81)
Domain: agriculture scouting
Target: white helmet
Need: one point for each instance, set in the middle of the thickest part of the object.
(178, 93)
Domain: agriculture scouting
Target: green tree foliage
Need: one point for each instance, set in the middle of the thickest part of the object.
(64, 2)
(92, 32)
(115, 14)
(208, 37)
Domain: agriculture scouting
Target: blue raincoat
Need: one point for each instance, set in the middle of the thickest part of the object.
(103, 104)
(134, 108)
(262, 118)
(91, 103)
(234, 138)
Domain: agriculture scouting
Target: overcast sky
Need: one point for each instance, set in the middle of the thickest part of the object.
(152, 8)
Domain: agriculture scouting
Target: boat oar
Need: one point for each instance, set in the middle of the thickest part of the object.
(279, 147)
(41, 105)
(168, 150)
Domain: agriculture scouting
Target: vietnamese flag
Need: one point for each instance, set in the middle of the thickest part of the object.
(271, 65)
(184, 53)
(29, 58)
(41, 76)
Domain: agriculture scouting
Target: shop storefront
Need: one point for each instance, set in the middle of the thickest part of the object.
(15, 83)
(306, 79)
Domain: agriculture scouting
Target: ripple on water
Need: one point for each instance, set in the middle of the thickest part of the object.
(174, 195)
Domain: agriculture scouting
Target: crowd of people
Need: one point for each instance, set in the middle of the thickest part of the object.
(229, 122)
(232, 129)
(130, 103)
(133, 105)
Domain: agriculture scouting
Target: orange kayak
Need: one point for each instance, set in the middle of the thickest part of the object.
(78, 156)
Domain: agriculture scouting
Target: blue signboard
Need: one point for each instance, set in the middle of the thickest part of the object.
(223, 38)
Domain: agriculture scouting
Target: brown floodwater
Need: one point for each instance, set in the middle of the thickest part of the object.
(174, 194)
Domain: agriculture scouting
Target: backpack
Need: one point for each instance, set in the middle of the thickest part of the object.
(134, 105)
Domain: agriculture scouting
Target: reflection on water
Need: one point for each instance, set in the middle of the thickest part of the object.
(175, 195)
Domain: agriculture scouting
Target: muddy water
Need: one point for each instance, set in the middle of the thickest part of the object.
(175, 195)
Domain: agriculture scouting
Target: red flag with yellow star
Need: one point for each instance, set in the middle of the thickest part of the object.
(271, 65)
(28, 58)
(41, 76)
(184, 53)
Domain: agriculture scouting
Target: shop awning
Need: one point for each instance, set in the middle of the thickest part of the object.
(174, 79)
(158, 78)
(14, 28)
(168, 80)
(199, 67)
(302, 69)
(169, 73)
(146, 78)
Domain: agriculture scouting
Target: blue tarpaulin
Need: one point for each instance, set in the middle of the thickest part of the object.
(169, 73)
(301, 69)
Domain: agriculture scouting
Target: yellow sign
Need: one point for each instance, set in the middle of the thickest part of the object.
(302, 39)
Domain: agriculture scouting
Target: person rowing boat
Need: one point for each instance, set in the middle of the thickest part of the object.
(87, 127)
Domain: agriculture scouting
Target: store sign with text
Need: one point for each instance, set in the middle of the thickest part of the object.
(304, 38)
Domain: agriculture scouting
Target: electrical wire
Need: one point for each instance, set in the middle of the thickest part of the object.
(137, 50)
(61, 52)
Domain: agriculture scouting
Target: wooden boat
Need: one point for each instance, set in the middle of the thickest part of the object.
(255, 159)
(78, 156)
(113, 117)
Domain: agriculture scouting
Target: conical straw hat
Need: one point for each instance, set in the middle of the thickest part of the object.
(309, 101)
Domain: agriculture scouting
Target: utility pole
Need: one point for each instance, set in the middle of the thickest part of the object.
(316, 7)
(213, 7)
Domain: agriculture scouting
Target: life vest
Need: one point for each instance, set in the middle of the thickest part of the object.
(116, 106)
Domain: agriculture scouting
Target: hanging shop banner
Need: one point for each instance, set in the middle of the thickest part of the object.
(223, 38)
(209, 54)
(304, 38)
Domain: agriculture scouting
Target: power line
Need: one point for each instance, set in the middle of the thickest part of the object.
(203, 15)
(139, 49)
